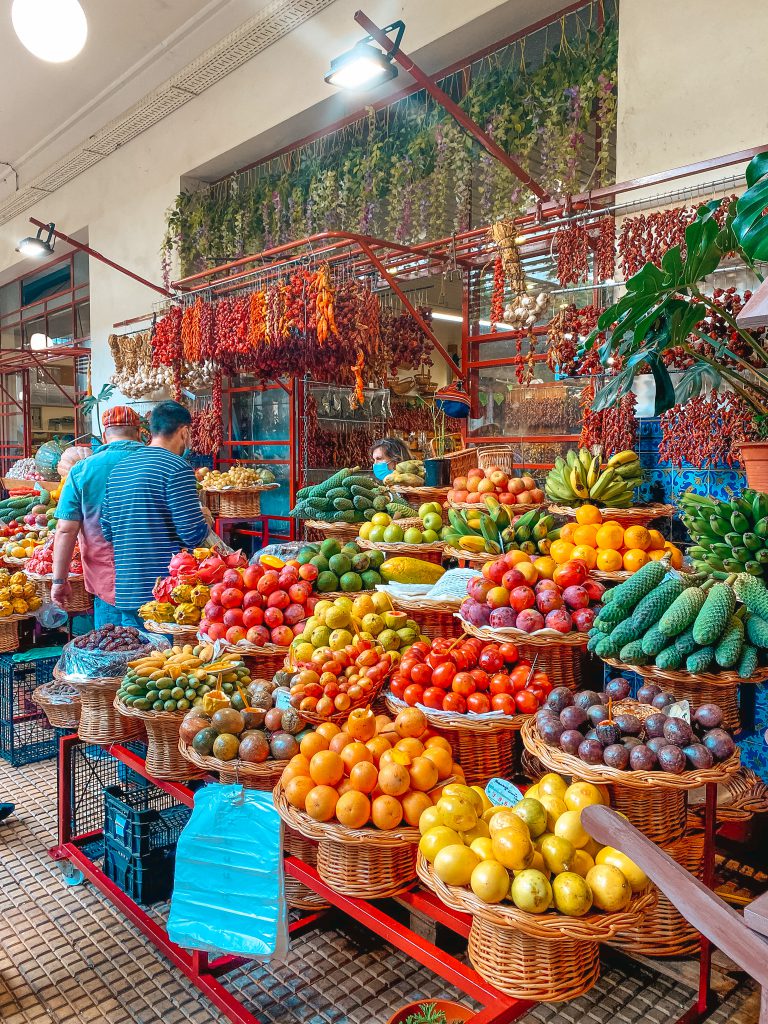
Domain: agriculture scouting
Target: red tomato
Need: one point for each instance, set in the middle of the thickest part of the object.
(519, 677)
(479, 703)
(413, 694)
(433, 697)
(541, 679)
(500, 683)
(482, 679)
(438, 657)
(406, 667)
(454, 702)
(461, 659)
(509, 653)
(526, 702)
(443, 675)
(421, 647)
(397, 685)
(504, 702)
(421, 674)
(463, 683)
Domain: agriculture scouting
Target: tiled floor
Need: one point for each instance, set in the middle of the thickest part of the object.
(66, 956)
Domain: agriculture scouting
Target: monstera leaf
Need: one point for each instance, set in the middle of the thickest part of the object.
(750, 226)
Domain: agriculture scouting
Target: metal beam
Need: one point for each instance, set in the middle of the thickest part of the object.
(445, 101)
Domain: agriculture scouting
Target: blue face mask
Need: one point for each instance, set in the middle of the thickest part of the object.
(381, 469)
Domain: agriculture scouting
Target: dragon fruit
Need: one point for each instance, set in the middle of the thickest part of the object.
(211, 570)
(163, 589)
(183, 563)
(236, 560)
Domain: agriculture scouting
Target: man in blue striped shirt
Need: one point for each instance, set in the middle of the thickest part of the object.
(151, 510)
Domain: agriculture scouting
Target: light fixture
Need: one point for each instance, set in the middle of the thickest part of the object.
(37, 246)
(457, 318)
(53, 30)
(38, 342)
(365, 66)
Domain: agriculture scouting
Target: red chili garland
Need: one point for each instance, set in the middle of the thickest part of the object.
(497, 295)
(614, 429)
(572, 241)
(705, 431)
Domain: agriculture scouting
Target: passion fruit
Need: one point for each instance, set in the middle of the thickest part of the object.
(226, 746)
(227, 720)
(202, 742)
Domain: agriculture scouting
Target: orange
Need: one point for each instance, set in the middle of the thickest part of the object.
(677, 555)
(297, 790)
(634, 559)
(377, 746)
(528, 571)
(513, 558)
(656, 556)
(327, 729)
(610, 535)
(299, 760)
(353, 810)
(637, 537)
(353, 753)
(438, 741)
(423, 774)
(567, 531)
(588, 515)
(561, 551)
(339, 741)
(394, 779)
(609, 560)
(585, 535)
(364, 777)
(657, 541)
(386, 812)
(545, 566)
(326, 768)
(313, 742)
(587, 554)
(442, 758)
(410, 745)
(321, 803)
(344, 787)
(414, 804)
(294, 771)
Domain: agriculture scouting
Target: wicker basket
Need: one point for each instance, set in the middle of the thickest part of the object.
(558, 761)
(421, 495)
(341, 531)
(60, 703)
(79, 601)
(461, 461)
(264, 776)
(100, 721)
(365, 862)
(472, 559)
(563, 656)
(9, 634)
(739, 798)
(514, 510)
(660, 814)
(426, 552)
(434, 618)
(641, 515)
(665, 932)
(164, 761)
(501, 455)
(338, 717)
(484, 747)
(244, 502)
(263, 661)
(178, 634)
(298, 895)
(668, 678)
(211, 500)
(539, 957)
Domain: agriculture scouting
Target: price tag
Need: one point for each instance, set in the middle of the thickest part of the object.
(680, 709)
(503, 793)
(282, 699)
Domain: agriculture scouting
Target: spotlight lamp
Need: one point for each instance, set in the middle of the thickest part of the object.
(365, 66)
(37, 246)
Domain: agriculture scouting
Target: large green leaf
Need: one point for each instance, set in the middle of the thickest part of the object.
(750, 226)
(665, 389)
(693, 381)
(613, 389)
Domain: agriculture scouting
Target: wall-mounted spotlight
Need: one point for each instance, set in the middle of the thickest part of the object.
(37, 246)
(365, 66)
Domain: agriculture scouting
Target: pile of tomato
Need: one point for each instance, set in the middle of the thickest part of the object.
(470, 675)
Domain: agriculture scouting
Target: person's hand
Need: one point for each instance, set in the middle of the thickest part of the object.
(61, 593)
(208, 516)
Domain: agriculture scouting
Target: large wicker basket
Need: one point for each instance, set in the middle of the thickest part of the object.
(462, 461)
(641, 515)
(178, 634)
(365, 863)
(264, 776)
(471, 559)
(501, 455)
(100, 721)
(341, 531)
(484, 747)
(421, 495)
(434, 618)
(60, 703)
(298, 895)
(539, 957)
(245, 502)
(562, 656)
(79, 601)
(164, 761)
(263, 661)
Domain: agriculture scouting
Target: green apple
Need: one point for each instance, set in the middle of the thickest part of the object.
(430, 537)
(432, 521)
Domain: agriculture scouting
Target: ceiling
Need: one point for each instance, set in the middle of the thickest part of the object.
(132, 48)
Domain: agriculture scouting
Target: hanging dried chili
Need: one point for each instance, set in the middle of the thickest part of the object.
(706, 431)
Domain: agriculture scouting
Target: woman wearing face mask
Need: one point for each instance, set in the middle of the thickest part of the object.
(386, 454)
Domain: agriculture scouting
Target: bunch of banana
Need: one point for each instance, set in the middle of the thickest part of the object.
(494, 533)
(581, 476)
(728, 536)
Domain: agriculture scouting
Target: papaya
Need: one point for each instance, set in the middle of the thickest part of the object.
(410, 570)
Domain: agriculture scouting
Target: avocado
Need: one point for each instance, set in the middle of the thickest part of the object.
(371, 579)
(326, 582)
(307, 554)
(339, 564)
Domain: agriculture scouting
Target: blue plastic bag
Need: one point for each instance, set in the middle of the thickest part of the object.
(228, 893)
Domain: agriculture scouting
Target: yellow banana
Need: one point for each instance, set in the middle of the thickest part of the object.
(577, 484)
(593, 472)
(623, 458)
(474, 544)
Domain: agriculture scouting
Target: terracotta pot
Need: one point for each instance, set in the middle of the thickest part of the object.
(453, 1011)
(754, 458)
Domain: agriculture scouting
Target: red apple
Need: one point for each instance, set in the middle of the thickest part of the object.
(548, 601)
(251, 575)
(521, 598)
(257, 635)
(576, 597)
(235, 634)
(559, 620)
(499, 479)
(530, 620)
(273, 617)
(583, 619)
(252, 617)
(506, 499)
(232, 578)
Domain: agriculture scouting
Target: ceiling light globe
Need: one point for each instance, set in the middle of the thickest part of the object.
(53, 30)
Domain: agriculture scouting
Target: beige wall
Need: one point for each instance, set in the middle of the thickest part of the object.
(693, 81)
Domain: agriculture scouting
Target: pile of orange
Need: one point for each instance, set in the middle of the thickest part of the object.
(374, 771)
(607, 546)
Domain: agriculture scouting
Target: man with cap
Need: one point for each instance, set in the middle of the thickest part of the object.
(79, 514)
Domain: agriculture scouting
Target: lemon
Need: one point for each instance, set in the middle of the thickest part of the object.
(568, 826)
(636, 877)
(552, 785)
(430, 818)
(610, 889)
(364, 531)
(433, 841)
(337, 617)
(513, 848)
(483, 847)
(454, 864)
(530, 891)
(580, 795)
(376, 534)
(381, 519)
(557, 853)
(571, 894)
(533, 814)
(489, 881)
(581, 862)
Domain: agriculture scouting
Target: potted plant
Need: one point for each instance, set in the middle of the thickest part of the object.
(437, 469)
(436, 1011)
(664, 307)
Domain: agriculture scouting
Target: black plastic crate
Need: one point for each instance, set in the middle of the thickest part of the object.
(26, 736)
(142, 819)
(147, 879)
